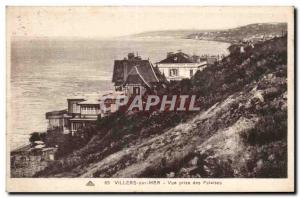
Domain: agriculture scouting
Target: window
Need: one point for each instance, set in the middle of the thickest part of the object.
(173, 72)
(136, 90)
(191, 73)
(74, 108)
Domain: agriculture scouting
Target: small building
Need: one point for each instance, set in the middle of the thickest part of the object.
(134, 75)
(211, 60)
(177, 66)
(49, 153)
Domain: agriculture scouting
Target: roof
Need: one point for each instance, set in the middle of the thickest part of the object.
(39, 146)
(90, 101)
(39, 142)
(113, 95)
(122, 68)
(56, 113)
(178, 57)
(142, 74)
(83, 119)
(76, 98)
(147, 72)
(95, 98)
(134, 77)
(49, 149)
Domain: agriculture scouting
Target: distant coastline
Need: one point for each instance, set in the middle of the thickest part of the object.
(232, 35)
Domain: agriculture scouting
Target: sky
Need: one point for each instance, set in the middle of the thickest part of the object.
(105, 22)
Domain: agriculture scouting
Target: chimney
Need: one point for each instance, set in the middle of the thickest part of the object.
(169, 54)
(130, 56)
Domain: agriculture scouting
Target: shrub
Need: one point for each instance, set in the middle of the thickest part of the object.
(37, 136)
(270, 128)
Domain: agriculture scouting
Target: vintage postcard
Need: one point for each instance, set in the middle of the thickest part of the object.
(150, 99)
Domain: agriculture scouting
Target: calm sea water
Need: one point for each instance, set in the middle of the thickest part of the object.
(44, 73)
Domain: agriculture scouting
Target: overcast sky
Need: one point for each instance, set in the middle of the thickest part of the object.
(97, 22)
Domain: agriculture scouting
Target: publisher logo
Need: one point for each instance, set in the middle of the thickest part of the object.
(154, 103)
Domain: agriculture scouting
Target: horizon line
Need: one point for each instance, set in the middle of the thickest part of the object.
(135, 34)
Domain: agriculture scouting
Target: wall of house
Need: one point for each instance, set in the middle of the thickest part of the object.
(75, 125)
(58, 122)
(129, 89)
(90, 110)
(55, 121)
(184, 70)
(73, 106)
(110, 107)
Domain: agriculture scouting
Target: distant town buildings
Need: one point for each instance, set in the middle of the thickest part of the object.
(253, 32)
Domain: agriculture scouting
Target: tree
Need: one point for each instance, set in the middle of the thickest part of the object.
(37, 136)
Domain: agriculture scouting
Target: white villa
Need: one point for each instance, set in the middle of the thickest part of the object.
(178, 66)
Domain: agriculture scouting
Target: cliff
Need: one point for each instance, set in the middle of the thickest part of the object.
(241, 130)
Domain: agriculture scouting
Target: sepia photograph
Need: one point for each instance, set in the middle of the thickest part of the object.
(149, 99)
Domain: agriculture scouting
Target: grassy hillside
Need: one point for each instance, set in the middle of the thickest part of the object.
(240, 132)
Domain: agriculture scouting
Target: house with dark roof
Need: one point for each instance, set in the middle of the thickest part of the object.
(177, 66)
(134, 75)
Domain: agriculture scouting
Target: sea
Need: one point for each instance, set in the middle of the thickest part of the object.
(44, 72)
